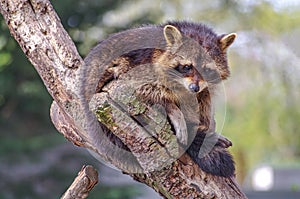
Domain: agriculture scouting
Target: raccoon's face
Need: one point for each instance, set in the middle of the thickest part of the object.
(196, 68)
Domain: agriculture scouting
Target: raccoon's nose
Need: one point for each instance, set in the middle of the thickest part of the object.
(194, 87)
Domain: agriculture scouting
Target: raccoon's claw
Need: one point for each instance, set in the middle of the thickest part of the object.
(223, 141)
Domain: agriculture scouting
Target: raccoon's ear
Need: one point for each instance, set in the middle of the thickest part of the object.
(172, 35)
(226, 40)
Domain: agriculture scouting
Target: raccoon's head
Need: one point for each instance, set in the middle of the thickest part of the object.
(191, 62)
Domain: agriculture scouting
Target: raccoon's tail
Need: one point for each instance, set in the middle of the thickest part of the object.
(211, 156)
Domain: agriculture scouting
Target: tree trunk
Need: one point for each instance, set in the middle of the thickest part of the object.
(39, 32)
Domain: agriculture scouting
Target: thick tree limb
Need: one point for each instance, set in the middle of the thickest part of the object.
(37, 28)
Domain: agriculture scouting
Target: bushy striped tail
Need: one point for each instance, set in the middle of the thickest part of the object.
(211, 156)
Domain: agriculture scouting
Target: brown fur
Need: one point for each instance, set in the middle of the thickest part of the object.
(188, 44)
(211, 52)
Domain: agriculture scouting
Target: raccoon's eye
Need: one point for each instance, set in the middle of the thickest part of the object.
(184, 68)
(187, 67)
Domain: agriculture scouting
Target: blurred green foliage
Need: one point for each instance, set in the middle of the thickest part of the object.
(262, 116)
(105, 192)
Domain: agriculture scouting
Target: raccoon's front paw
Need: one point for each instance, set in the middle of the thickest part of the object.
(178, 122)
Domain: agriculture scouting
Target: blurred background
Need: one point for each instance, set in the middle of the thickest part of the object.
(262, 109)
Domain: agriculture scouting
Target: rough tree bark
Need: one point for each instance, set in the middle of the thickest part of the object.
(87, 178)
(38, 30)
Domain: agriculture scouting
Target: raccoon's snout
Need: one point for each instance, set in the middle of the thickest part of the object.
(194, 87)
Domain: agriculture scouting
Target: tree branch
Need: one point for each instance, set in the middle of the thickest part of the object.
(38, 30)
(87, 178)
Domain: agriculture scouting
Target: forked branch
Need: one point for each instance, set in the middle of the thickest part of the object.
(38, 30)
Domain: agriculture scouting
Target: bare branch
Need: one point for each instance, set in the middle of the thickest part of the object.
(87, 178)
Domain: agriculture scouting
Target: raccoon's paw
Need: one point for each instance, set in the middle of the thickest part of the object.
(177, 119)
(223, 142)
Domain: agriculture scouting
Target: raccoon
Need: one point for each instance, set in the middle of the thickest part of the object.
(192, 64)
